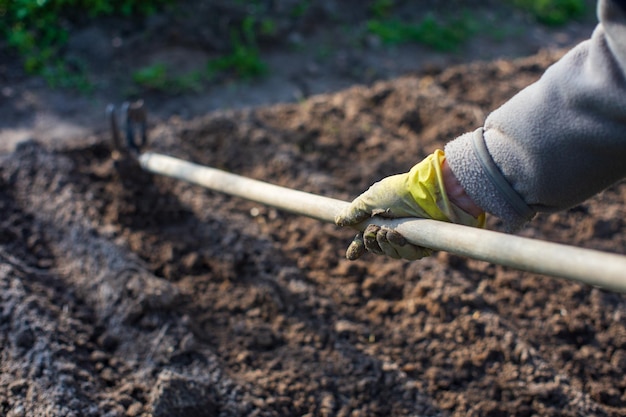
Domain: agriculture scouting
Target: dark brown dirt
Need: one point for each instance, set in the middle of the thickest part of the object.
(124, 294)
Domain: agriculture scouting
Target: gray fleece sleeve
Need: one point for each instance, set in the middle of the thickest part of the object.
(560, 140)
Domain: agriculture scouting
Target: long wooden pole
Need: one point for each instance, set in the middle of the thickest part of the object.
(592, 267)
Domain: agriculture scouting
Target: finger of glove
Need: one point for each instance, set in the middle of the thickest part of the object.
(403, 249)
(356, 249)
(387, 247)
(352, 214)
(377, 200)
(370, 240)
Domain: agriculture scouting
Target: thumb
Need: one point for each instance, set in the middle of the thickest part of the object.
(353, 214)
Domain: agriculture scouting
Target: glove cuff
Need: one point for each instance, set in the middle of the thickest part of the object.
(426, 186)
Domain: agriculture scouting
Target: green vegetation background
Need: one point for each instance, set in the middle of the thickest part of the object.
(38, 30)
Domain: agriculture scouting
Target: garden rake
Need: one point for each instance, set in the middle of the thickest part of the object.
(596, 268)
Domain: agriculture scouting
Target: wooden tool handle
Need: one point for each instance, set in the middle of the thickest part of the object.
(592, 267)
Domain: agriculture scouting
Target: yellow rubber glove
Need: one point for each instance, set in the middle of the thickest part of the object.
(418, 193)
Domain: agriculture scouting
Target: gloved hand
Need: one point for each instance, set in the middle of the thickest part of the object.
(418, 193)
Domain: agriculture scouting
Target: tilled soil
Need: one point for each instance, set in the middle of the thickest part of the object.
(126, 294)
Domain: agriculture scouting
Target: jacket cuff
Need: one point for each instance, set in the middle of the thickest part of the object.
(484, 183)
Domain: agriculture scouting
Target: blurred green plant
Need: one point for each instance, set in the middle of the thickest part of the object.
(268, 27)
(38, 31)
(245, 58)
(442, 35)
(381, 8)
(300, 8)
(447, 34)
(156, 77)
(152, 77)
(553, 12)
